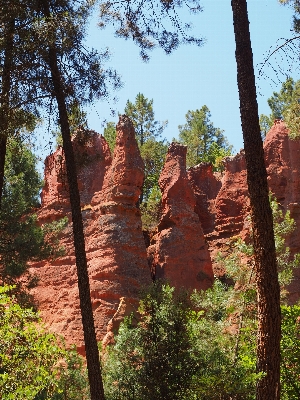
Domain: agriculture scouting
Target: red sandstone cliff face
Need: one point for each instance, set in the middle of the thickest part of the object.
(232, 202)
(115, 246)
(282, 156)
(116, 250)
(206, 186)
(93, 158)
(178, 251)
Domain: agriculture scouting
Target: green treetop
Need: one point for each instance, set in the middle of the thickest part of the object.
(110, 134)
(142, 115)
(153, 153)
(205, 142)
(21, 239)
(284, 105)
(147, 131)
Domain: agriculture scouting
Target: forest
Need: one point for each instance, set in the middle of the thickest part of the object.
(238, 339)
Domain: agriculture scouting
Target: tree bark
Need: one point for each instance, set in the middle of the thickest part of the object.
(268, 291)
(5, 96)
(91, 348)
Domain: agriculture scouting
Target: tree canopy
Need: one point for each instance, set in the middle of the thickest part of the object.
(150, 24)
(205, 142)
(21, 239)
(147, 131)
(35, 364)
(283, 105)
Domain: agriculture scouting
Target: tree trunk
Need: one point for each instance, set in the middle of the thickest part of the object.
(91, 348)
(5, 97)
(268, 292)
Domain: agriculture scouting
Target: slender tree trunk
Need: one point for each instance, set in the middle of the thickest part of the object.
(5, 97)
(268, 292)
(92, 354)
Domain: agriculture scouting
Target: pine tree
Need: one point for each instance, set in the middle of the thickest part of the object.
(51, 17)
(147, 130)
(268, 292)
(150, 24)
(282, 104)
(205, 142)
(21, 239)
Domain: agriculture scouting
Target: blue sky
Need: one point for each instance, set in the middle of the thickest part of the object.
(193, 76)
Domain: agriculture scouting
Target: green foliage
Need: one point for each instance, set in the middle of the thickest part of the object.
(34, 364)
(153, 151)
(174, 353)
(151, 211)
(110, 135)
(284, 105)
(290, 352)
(205, 142)
(21, 239)
(154, 359)
(265, 124)
(142, 115)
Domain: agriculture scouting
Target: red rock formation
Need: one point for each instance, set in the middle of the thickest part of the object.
(232, 202)
(178, 251)
(114, 241)
(92, 154)
(115, 246)
(282, 156)
(118, 252)
(206, 186)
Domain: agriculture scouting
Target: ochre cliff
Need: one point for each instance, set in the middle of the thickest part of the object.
(201, 210)
(178, 251)
(115, 247)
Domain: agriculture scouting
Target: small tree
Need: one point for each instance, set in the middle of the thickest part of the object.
(283, 105)
(110, 135)
(153, 359)
(34, 363)
(142, 115)
(147, 130)
(21, 239)
(205, 142)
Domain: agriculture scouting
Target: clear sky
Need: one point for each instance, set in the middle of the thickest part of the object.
(193, 76)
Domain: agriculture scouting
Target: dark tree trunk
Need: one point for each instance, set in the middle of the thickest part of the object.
(92, 354)
(268, 292)
(5, 96)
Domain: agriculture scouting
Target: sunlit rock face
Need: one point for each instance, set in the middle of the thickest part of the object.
(201, 211)
(115, 247)
(117, 251)
(178, 251)
(232, 202)
(282, 156)
(92, 157)
(206, 186)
